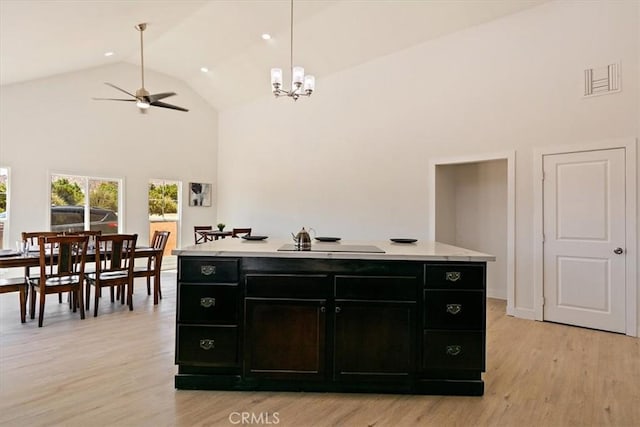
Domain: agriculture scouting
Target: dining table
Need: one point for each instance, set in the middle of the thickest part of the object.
(15, 259)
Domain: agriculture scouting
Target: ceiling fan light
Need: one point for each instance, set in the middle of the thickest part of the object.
(142, 104)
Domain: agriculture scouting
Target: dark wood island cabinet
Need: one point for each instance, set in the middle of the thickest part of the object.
(252, 318)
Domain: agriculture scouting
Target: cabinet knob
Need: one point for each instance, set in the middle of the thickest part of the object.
(338, 309)
(207, 302)
(454, 308)
(207, 344)
(454, 350)
(452, 276)
(208, 270)
(618, 251)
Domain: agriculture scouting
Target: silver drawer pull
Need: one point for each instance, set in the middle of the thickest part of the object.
(454, 308)
(452, 276)
(207, 302)
(454, 350)
(208, 270)
(207, 344)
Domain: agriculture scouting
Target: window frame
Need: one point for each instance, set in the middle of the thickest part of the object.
(86, 180)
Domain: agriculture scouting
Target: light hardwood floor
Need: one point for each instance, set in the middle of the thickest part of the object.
(117, 370)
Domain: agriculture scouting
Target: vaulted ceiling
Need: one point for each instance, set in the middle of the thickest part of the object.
(40, 38)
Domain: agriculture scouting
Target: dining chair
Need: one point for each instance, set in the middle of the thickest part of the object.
(202, 237)
(16, 284)
(239, 232)
(62, 261)
(154, 263)
(114, 261)
(31, 239)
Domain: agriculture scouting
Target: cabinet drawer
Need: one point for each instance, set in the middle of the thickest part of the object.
(453, 350)
(208, 303)
(288, 285)
(207, 345)
(455, 276)
(208, 270)
(389, 288)
(454, 310)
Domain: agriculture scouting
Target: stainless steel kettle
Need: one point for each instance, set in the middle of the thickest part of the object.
(302, 240)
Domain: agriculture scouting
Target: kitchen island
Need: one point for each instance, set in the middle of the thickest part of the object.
(344, 316)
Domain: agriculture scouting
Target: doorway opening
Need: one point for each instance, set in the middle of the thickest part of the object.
(473, 206)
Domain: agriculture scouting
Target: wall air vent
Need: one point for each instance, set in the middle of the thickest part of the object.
(602, 81)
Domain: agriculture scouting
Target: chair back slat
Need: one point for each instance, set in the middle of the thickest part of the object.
(91, 233)
(115, 252)
(159, 240)
(31, 237)
(62, 256)
(238, 232)
(199, 237)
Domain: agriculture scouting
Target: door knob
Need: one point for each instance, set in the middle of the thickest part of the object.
(618, 251)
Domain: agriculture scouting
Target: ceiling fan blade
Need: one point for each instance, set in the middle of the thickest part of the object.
(165, 105)
(121, 90)
(158, 96)
(142, 96)
(114, 99)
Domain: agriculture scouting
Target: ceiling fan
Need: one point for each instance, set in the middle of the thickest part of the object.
(143, 98)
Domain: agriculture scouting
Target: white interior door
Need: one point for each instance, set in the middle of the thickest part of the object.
(584, 239)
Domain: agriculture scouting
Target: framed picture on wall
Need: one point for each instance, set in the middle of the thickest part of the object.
(199, 194)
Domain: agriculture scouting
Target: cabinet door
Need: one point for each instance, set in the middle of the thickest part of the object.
(374, 340)
(284, 338)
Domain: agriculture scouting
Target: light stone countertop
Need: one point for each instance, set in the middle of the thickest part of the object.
(419, 251)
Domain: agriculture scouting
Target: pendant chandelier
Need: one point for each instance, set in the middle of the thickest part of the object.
(301, 85)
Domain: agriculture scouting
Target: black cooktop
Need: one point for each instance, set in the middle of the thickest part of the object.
(290, 247)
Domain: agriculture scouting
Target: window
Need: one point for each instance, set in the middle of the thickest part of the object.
(164, 207)
(4, 185)
(72, 210)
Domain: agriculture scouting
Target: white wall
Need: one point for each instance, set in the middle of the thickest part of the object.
(352, 160)
(53, 125)
(445, 206)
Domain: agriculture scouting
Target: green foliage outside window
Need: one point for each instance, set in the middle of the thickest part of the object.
(64, 192)
(67, 193)
(3, 197)
(105, 196)
(163, 199)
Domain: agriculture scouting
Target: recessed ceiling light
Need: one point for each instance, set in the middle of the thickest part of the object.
(204, 69)
(108, 54)
(266, 36)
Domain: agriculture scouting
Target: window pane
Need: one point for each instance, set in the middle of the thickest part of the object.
(163, 200)
(163, 210)
(4, 178)
(67, 200)
(103, 200)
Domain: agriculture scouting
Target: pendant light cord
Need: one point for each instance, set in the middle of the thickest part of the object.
(291, 52)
